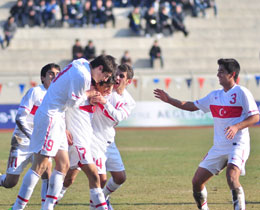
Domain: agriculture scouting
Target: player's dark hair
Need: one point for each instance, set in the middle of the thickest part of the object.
(111, 80)
(231, 65)
(107, 61)
(127, 68)
(48, 67)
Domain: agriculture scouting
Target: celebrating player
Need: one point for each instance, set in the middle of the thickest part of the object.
(78, 122)
(20, 155)
(233, 109)
(110, 109)
(68, 89)
(109, 113)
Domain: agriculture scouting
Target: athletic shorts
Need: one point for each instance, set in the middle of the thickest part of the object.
(19, 158)
(48, 135)
(80, 155)
(107, 158)
(219, 156)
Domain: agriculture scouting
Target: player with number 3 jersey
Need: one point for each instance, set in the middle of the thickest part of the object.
(233, 109)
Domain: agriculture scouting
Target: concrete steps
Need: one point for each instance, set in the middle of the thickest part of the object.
(235, 32)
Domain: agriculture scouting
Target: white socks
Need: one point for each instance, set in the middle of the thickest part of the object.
(98, 199)
(54, 189)
(110, 187)
(62, 193)
(45, 183)
(30, 180)
(201, 199)
(238, 197)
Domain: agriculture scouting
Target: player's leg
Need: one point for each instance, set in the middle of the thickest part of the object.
(9, 180)
(45, 181)
(57, 178)
(238, 156)
(103, 180)
(96, 194)
(117, 179)
(199, 180)
(30, 180)
(69, 180)
(19, 158)
(238, 196)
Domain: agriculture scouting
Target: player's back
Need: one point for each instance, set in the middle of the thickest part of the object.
(67, 88)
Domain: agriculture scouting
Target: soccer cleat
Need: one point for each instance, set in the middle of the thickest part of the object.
(109, 206)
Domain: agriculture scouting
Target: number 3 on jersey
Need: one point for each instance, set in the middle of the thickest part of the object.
(234, 98)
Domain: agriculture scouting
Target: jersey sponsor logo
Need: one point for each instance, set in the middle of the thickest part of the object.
(226, 111)
(88, 108)
(34, 109)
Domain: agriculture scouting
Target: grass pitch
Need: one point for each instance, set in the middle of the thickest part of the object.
(160, 164)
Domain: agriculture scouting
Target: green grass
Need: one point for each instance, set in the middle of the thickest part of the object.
(160, 165)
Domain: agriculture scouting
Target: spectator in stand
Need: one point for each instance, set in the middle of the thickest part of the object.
(212, 3)
(87, 13)
(152, 25)
(109, 13)
(165, 21)
(90, 51)
(135, 21)
(2, 42)
(126, 59)
(51, 11)
(178, 19)
(9, 30)
(32, 18)
(75, 13)
(17, 11)
(40, 8)
(99, 15)
(155, 53)
(77, 50)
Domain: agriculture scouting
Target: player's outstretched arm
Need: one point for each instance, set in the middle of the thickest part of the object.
(185, 105)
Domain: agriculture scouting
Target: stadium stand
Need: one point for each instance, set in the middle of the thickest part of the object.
(235, 32)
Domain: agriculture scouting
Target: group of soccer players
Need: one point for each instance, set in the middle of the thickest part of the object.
(73, 124)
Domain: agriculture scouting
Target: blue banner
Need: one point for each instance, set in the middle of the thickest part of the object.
(8, 113)
(7, 116)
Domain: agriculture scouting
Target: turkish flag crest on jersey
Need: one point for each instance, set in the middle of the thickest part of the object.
(226, 111)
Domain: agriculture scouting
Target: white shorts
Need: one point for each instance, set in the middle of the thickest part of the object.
(107, 158)
(80, 155)
(19, 158)
(48, 135)
(219, 156)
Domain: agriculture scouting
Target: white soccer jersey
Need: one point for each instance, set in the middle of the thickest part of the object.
(106, 117)
(68, 91)
(29, 104)
(229, 108)
(78, 122)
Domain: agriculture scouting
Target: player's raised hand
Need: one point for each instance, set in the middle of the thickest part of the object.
(92, 93)
(161, 94)
(99, 99)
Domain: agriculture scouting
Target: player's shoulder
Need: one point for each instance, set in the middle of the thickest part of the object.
(81, 69)
(127, 96)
